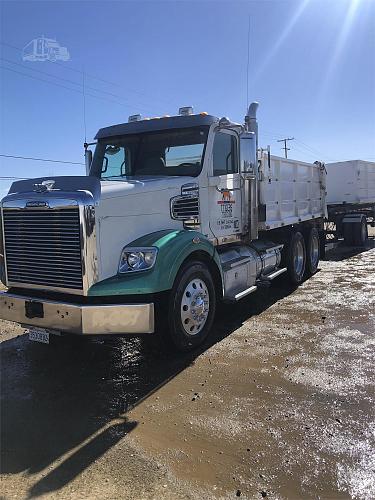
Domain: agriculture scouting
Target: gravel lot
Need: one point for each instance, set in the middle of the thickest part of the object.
(280, 404)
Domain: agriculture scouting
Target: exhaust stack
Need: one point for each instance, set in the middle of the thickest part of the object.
(251, 123)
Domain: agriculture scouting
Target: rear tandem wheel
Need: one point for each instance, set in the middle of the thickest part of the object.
(295, 258)
(312, 251)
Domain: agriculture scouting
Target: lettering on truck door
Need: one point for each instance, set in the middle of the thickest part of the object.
(225, 186)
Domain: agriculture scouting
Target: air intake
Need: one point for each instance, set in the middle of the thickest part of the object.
(185, 207)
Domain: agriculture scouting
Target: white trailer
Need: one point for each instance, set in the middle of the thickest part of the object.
(175, 215)
(350, 200)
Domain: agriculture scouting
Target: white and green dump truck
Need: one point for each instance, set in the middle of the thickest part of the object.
(175, 215)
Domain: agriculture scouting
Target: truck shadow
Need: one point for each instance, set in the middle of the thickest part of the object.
(64, 405)
(342, 252)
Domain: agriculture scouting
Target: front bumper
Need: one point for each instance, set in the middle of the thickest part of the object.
(75, 318)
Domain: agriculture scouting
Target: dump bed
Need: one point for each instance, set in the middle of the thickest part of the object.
(290, 191)
(351, 182)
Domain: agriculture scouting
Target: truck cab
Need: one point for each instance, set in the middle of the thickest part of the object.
(172, 173)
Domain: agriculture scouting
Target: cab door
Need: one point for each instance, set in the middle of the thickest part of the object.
(224, 186)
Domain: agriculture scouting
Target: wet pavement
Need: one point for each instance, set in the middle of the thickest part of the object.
(279, 404)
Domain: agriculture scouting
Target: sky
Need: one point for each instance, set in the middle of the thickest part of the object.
(311, 68)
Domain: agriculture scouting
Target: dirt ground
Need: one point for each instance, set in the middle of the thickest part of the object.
(279, 404)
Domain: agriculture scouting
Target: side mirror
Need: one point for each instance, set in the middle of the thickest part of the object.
(105, 165)
(248, 154)
(88, 160)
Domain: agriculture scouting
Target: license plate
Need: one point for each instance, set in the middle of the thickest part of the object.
(39, 335)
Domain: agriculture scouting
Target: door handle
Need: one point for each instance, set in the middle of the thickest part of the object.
(223, 190)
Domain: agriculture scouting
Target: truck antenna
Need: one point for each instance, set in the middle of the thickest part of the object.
(84, 101)
(248, 64)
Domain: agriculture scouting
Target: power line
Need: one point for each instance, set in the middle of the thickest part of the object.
(41, 79)
(2, 178)
(275, 135)
(285, 148)
(81, 85)
(313, 150)
(61, 64)
(42, 159)
(306, 153)
(65, 66)
(40, 71)
(65, 87)
(111, 94)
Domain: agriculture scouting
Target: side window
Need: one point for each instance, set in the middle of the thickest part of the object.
(225, 154)
(115, 162)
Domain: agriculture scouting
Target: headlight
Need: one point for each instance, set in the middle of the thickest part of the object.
(137, 259)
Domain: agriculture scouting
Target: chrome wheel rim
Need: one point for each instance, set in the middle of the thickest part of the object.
(299, 258)
(314, 250)
(195, 306)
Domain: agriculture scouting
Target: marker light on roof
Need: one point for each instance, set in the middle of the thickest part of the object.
(185, 111)
(134, 118)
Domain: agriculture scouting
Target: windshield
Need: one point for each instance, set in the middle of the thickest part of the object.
(169, 152)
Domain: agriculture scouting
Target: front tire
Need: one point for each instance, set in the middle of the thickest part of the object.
(192, 306)
(296, 258)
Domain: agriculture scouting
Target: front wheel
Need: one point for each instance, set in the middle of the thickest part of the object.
(192, 306)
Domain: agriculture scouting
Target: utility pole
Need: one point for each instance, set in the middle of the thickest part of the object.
(285, 148)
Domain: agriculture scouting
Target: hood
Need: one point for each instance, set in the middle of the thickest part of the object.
(140, 185)
(63, 187)
(125, 209)
(129, 209)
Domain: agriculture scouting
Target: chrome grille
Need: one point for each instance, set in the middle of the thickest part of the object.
(185, 207)
(43, 247)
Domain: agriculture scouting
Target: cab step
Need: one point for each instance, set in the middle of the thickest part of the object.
(266, 280)
(242, 294)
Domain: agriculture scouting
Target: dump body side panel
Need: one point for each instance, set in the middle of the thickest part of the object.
(290, 192)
